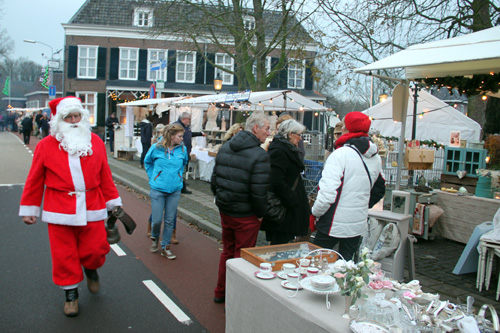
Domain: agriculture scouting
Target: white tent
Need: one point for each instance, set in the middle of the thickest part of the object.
(279, 100)
(475, 53)
(437, 120)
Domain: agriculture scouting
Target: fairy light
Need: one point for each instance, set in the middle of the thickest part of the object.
(484, 97)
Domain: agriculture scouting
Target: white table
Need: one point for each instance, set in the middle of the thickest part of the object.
(256, 305)
(206, 164)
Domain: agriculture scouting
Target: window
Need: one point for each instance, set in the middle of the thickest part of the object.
(296, 73)
(249, 22)
(32, 104)
(268, 68)
(143, 17)
(185, 67)
(128, 64)
(87, 62)
(224, 60)
(89, 102)
(156, 57)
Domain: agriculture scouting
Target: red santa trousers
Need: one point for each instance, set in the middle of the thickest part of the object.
(75, 246)
(237, 233)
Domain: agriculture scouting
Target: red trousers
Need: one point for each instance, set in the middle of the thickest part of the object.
(237, 233)
(75, 246)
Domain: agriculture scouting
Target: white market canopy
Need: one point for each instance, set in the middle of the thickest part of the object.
(279, 100)
(437, 121)
(475, 53)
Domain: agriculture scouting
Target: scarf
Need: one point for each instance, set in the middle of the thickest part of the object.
(348, 136)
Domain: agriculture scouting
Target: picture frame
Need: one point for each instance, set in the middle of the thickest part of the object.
(400, 202)
(455, 138)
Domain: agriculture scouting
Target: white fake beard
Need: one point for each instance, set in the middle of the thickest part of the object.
(75, 138)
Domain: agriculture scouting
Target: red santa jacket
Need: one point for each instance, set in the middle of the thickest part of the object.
(77, 189)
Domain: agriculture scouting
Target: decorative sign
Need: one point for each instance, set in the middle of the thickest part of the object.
(238, 96)
(455, 138)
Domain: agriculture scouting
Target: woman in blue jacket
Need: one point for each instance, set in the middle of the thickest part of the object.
(164, 165)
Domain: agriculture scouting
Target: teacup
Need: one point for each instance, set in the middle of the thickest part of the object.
(311, 271)
(288, 268)
(266, 268)
(293, 278)
(303, 264)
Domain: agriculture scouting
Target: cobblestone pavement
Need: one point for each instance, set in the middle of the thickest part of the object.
(434, 260)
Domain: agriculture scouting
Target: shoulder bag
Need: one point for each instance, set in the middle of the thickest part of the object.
(276, 211)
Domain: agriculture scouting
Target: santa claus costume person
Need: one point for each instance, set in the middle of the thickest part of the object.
(72, 165)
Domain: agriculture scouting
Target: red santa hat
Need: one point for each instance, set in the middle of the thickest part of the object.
(357, 122)
(65, 105)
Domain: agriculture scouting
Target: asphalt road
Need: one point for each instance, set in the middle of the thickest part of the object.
(31, 302)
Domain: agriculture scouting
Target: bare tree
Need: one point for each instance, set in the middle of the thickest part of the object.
(21, 69)
(247, 31)
(6, 43)
(364, 31)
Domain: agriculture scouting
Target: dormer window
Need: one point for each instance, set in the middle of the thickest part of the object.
(143, 17)
(249, 22)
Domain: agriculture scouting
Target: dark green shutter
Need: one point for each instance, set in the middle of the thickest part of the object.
(113, 63)
(143, 65)
(101, 63)
(308, 85)
(72, 61)
(171, 66)
(200, 69)
(101, 109)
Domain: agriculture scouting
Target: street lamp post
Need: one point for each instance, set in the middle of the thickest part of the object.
(51, 74)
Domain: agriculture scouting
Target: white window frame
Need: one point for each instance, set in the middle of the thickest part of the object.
(153, 58)
(141, 21)
(32, 104)
(83, 62)
(91, 107)
(248, 22)
(268, 68)
(185, 64)
(128, 60)
(299, 73)
(227, 78)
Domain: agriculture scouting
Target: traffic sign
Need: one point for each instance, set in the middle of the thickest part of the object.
(152, 91)
(160, 84)
(52, 92)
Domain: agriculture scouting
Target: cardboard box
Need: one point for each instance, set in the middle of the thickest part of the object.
(419, 159)
(258, 255)
(210, 153)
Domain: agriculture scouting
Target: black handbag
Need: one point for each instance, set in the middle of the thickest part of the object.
(276, 211)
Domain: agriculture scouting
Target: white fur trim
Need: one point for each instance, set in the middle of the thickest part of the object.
(67, 103)
(29, 211)
(75, 168)
(70, 219)
(113, 203)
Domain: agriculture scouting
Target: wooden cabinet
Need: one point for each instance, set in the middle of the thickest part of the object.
(463, 159)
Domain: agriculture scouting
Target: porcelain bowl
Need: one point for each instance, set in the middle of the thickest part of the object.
(322, 282)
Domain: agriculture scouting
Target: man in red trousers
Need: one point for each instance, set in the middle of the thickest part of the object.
(71, 164)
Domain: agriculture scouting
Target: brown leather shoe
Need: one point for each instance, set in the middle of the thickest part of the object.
(71, 304)
(92, 280)
(148, 231)
(174, 238)
(71, 308)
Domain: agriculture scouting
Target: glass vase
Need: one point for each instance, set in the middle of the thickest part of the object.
(347, 309)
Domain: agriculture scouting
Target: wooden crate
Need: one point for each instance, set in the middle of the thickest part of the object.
(453, 181)
(258, 255)
(125, 155)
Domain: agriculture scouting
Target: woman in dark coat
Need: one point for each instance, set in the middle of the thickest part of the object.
(286, 166)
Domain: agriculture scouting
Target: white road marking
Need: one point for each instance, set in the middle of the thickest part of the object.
(118, 250)
(1, 185)
(167, 302)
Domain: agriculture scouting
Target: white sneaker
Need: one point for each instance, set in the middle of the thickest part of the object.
(167, 253)
(154, 246)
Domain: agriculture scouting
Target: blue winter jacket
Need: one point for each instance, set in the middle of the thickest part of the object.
(165, 168)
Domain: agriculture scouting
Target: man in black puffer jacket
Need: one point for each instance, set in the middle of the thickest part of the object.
(240, 181)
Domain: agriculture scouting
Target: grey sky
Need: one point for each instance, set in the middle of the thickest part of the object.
(37, 20)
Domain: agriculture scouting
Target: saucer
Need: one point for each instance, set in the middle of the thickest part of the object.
(288, 285)
(269, 276)
(282, 275)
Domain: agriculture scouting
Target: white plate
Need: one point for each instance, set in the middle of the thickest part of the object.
(269, 276)
(282, 275)
(364, 325)
(287, 285)
(306, 284)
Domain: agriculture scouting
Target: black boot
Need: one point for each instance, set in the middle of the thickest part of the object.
(184, 188)
(71, 304)
(92, 280)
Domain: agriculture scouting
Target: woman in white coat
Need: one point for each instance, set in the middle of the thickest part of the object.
(350, 173)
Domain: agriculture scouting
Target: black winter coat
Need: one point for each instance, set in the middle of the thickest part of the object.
(146, 131)
(286, 166)
(27, 124)
(240, 179)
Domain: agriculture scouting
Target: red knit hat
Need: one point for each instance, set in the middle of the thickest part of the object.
(59, 104)
(357, 122)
